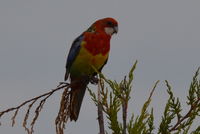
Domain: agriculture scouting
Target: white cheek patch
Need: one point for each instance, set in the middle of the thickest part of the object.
(109, 30)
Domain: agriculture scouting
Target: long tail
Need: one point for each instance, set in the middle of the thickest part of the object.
(76, 98)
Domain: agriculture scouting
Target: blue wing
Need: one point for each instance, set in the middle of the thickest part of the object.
(73, 52)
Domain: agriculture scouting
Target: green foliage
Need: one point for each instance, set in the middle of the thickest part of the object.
(144, 122)
(173, 110)
(115, 96)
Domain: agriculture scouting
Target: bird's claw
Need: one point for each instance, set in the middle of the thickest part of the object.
(94, 80)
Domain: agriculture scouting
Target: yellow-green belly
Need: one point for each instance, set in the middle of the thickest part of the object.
(85, 62)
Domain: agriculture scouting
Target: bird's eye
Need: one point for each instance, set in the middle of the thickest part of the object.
(109, 23)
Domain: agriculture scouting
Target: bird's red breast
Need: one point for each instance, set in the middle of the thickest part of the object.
(97, 43)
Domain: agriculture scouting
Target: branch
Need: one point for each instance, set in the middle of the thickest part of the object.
(124, 115)
(31, 102)
(187, 115)
(100, 109)
(64, 112)
(125, 95)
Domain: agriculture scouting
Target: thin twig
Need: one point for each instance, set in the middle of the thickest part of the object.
(179, 121)
(124, 97)
(100, 109)
(124, 111)
(26, 117)
(32, 101)
(64, 112)
(35, 98)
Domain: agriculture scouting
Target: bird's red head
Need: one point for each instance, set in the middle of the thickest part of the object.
(106, 25)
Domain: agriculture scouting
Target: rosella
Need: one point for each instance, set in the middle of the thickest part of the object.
(89, 52)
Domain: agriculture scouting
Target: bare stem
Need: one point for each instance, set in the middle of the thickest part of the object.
(180, 120)
(31, 102)
(35, 98)
(64, 113)
(100, 110)
(124, 111)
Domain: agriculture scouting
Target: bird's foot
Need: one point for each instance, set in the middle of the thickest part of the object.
(94, 80)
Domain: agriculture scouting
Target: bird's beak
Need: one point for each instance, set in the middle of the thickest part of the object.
(115, 29)
(111, 30)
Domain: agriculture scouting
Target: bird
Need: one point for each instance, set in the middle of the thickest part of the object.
(88, 54)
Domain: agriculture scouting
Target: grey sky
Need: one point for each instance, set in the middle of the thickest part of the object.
(35, 37)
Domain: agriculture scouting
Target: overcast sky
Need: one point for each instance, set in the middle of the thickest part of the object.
(35, 37)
